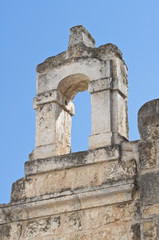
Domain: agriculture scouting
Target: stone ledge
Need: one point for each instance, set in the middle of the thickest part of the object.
(100, 197)
(53, 96)
(72, 160)
(85, 177)
(69, 192)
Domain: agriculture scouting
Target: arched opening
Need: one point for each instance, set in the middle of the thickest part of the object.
(73, 84)
(74, 89)
(81, 122)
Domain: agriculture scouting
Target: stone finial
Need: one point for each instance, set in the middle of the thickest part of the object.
(79, 34)
(148, 120)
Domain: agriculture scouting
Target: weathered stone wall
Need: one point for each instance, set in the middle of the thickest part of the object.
(111, 191)
(89, 194)
(148, 122)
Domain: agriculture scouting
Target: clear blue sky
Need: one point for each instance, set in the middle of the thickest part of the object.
(31, 31)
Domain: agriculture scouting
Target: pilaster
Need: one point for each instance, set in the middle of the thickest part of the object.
(109, 106)
(53, 125)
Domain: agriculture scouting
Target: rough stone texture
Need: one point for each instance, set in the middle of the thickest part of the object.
(136, 231)
(149, 184)
(5, 231)
(97, 174)
(103, 72)
(148, 120)
(80, 35)
(111, 191)
(151, 230)
(147, 151)
(110, 153)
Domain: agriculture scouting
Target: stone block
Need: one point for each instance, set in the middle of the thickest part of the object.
(5, 232)
(149, 188)
(148, 120)
(136, 231)
(79, 34)
(100, 140)
(101, 114)
(56, 97)
(151, 211)
(118, 85)
(150, 230)
(99, 85)
(43, 152)
(129, 151)
(147, 154)
(2, 216)
(85, 177)
(119, 231)
(72, 160)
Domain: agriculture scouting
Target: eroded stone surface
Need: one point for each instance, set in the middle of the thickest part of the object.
(103, 72)
(150, 230)
(148, 120)
(149, 185)
(147, 152)
(97, 175)
(5, 232)
(80, 35)
(79, 223)
(110, 192)
(73, 160)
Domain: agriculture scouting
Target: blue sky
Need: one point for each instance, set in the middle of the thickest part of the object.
(31, 31)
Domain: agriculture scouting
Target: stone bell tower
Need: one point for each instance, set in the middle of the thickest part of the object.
(110, 191)
(100, 70)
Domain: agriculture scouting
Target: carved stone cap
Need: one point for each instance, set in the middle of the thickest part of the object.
(79, 34)
(81, 46)
(148, 120)
(80, 51)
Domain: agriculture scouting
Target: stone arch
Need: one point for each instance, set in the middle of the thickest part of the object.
(73, 84)
(69, 87)
(50, 78)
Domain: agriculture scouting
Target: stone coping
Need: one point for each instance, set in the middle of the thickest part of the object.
(54, 206)
(71, 160)
(77, 52)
